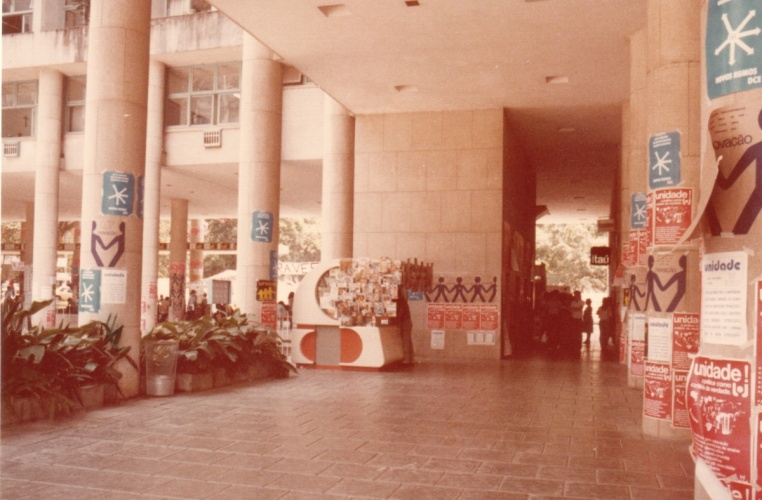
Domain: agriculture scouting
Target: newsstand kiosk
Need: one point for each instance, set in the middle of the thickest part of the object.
(344, 315)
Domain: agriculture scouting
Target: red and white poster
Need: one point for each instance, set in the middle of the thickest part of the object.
(758, 301)
(649, 219)
(435, 316)
(685, 339)
(680, 399)
(269, 314)
(453, 317)
(471, 317)
(672, 214)
(657, 391)
(637, 330)
(642, 247)
(490, 318)
(719, 408)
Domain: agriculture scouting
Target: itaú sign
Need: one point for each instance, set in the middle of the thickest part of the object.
(599, 256)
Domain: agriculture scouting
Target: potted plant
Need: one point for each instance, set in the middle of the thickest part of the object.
(160, 360)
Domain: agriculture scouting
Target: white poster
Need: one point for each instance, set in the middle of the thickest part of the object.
(659, 339)
(437, 339)
(723, 298)
(113, 286)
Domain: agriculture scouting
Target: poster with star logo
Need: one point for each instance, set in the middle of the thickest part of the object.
(118, 196)
(262, 226)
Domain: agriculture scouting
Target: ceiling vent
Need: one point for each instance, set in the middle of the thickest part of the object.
(212, 138)
(11, 148)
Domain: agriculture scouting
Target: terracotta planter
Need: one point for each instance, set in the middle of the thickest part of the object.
(91, 396)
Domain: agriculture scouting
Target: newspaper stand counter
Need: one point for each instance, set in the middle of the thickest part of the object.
(344, 315)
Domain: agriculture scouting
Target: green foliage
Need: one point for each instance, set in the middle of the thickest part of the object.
(231, 343)
(220, 231)
(51, 365)
(302, 237)
(565, 250)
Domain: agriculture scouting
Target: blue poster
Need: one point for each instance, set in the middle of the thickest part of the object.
(274, 265)
(90, 290)
(638, 217)
(118, 193)
(664, 160)
(733, 47)
(262, 226)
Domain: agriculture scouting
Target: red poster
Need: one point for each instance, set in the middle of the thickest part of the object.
(672, 214)
(489, 317)
(453, 317)
(657, 391)
(471, 317)
(630, 250)
(679, 397)
(642, 247)
(719, 408)
(269, 316)
(685, 339)
(435, 315)
(649, 219)
(637, 357)
(758, 301)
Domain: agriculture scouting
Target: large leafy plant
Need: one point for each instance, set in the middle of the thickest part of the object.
(51, 365)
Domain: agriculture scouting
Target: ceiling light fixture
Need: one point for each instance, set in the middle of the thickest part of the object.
(556, 79)
(412, 3)
(334, 10)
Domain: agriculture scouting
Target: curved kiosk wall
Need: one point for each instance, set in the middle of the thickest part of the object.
(344, 315)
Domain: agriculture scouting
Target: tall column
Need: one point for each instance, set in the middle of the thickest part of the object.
(114, 159)
(178, 254)
(196, 264)
(259, 173)
(338, 181)
(152, 196)
(47, 168)
(672, 171)
(634, 178)
(730, 357)
(27, 239)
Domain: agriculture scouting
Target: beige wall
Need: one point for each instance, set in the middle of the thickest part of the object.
(430, 186)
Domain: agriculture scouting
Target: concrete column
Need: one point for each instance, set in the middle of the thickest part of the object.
(259, 173)
(114, 159)
(75, 263)
(178, 252)
(634, 177)
(152, 196)
(674, 52)
(47, 163)
(338, 181)
(196, 268)
(27, 239)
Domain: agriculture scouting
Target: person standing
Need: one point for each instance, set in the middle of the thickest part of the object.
(576, 314)
(290, 310)
(405, 322)
(587, 320)
(604, 322)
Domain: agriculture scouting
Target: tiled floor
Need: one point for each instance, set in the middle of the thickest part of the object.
(517, 429)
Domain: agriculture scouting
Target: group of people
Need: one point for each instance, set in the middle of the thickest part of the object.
(195, 308)
(564, 319)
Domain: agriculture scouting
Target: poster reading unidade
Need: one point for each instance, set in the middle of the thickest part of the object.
(685, 339)
(680, 417)
(723, 298)
(719, 408)
(657, 391)
(659, 339)
(672, 214)
(435, 314)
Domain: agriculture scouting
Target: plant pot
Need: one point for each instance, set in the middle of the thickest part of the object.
(161, 367)
(91, 396)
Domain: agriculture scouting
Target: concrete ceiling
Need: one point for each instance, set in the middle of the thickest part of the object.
(561, 68)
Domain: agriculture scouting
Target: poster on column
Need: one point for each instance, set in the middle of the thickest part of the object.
(719, 409)
(649, 219)
(636, 288)
(723, 298)
(680, 417)
(657, 391)
(733, 47)
(471, 317)
(453, 317)
(672, 212)
(736, 133)
(262, 226)
(113, 286)
(685, 339)
(638, 211)
(630, 251)
(659, 339)
(664, 160)
(90, 290)
(268, 314)
(118, 195)
(642, 247)
(637, 343)
(666, 282)
(435, 314)
(758, 343)
(490, 317)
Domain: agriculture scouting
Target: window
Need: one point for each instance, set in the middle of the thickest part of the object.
(17, 16)
(19, 108)
(201, 95)
(75, 103)
(77, 13)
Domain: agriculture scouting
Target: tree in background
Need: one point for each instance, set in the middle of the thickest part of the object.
(302, 239)
(565, 251)
(219, 231)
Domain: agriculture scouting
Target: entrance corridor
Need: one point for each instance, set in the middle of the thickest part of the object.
(529, 428)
